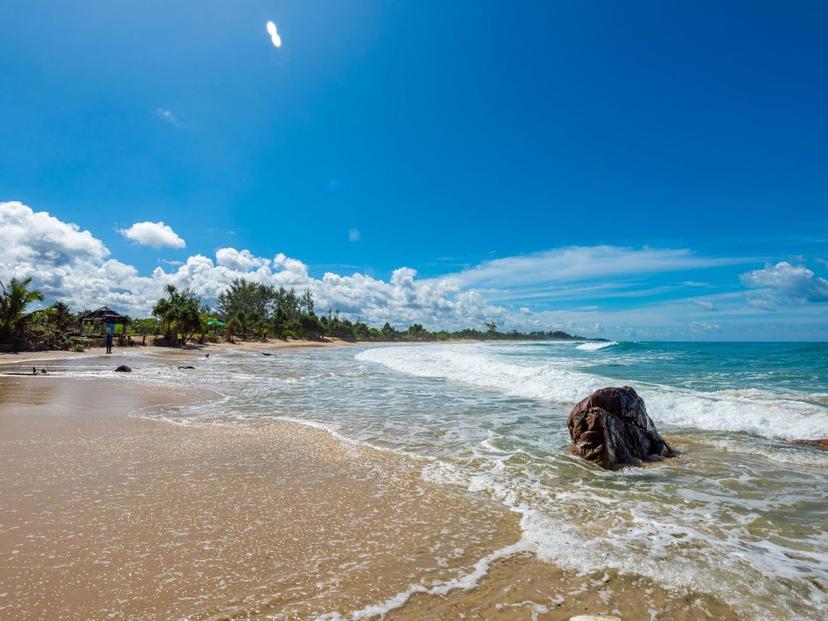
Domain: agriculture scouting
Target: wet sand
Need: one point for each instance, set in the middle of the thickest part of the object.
(41, 359)
(106, 515)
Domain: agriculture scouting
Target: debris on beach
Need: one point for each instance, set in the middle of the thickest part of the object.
(611, 428)
(123, 369)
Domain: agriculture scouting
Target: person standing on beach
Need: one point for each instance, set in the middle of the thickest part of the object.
(108, 342)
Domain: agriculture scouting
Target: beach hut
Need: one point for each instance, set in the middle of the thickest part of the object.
(108, 319)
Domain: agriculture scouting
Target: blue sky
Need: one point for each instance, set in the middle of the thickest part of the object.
(688, 138)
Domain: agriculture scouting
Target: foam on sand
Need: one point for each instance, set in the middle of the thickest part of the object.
(465, 581)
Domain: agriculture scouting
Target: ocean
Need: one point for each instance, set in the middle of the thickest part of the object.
(741, 514)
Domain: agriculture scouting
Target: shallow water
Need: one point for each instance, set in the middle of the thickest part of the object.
(740, 515)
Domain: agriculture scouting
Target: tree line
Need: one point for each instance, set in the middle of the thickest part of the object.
(244, 310)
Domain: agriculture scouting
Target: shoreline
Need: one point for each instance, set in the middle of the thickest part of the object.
(246, 506)
(27, 357)
(54, 355)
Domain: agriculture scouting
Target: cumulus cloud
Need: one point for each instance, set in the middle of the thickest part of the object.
(35, 238)
(274, 34)
(784, 283)
(165, 114)
(353, 235)
(241, 261)
(70, 264)
(155, 234)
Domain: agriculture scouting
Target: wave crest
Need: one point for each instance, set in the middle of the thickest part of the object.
(595, 346)
(761, 413)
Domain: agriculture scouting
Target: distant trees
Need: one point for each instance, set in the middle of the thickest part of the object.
(389, 333)
(242, 303)
(14, 298)
(62, 316)
(416, 332)
(245, 309)
(250, 308)
(145, 327)
(179, 313)
(46, 328)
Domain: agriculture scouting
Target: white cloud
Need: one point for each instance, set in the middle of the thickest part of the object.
(577, 263)
(155, 234)
(353, 235)
(274, 34)
(71, 264)
(706, 304)
(29, 236)
(165, 114)
(240, 261)
(785, 283)
(703, 326)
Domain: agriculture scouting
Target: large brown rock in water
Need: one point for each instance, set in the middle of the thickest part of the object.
(611, 428)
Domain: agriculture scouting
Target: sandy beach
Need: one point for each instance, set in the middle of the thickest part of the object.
(106, 514)
(41, 358)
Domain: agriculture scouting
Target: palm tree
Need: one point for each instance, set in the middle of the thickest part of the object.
(179, 312)
(13, 302)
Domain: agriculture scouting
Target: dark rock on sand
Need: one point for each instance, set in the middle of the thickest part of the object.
(186, 367)
(123, 369)
(611, 428)
(266, 353)
(820, 444)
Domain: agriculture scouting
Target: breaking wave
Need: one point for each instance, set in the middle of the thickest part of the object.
(595, 346)
(763, 413)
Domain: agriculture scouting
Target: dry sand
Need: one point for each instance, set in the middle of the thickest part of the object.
(109, 516)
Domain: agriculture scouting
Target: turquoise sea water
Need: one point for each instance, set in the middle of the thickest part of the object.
(741, 514)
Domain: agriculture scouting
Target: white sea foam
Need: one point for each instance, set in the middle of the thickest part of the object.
(465, 581)
(759, 413)
(680, 530)
(678, 552)
(595, 346)
(786, 454)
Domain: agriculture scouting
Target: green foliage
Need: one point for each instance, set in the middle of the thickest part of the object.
(145, 327)
(257, 310)
(246, 309)
(179, 314)
(14, 298)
